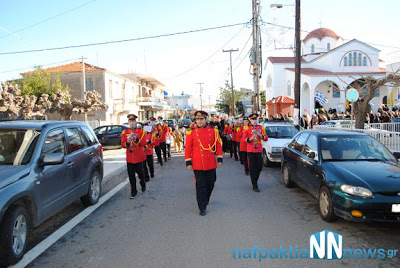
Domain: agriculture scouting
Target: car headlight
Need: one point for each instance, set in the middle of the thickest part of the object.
(276, 149)
(356, 191)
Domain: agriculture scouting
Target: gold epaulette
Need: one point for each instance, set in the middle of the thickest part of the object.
(123, 132)
(188, 132)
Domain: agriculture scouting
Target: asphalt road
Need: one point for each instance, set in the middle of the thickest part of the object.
(162, 227)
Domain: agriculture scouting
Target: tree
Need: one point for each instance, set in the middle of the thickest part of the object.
(40, 82)
(225, 101)
(367, 87)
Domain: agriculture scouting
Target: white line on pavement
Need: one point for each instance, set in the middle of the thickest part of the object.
(54, 237)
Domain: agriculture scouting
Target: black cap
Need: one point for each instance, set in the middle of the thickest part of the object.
(132, 117)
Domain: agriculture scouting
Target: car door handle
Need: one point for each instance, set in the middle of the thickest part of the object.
(70, 164)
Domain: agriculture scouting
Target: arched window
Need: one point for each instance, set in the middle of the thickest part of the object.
(349, 59)
(359, 59)
(345, 61)
(354, 58)
(328, 46)
(364, 61)
(289, 89)
(312, 48)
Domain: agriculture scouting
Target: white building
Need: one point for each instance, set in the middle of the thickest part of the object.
(328, 65)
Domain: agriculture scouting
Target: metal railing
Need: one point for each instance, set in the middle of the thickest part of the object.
(386, 133)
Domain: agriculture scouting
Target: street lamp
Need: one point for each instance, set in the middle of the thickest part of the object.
(297, 61)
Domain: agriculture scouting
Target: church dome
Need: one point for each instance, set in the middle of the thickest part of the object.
(320, 34)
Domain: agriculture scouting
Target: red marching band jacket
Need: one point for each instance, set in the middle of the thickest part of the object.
(137, 155)
(251, 144)
(200, 147)
(243, 144)
(227, 130)
(162, 130)
(148, 149)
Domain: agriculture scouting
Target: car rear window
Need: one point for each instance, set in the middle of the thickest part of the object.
(17, 146)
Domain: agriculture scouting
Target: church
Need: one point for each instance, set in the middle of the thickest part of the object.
(329, 66)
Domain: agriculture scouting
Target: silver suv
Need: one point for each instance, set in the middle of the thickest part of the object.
(44, 167)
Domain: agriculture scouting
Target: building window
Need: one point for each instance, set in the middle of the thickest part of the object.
(349, 59)
(364, 61)
(289, 89)
(359, 59)
(269, 81)
(312, 48)
(89, 84)
(354, 58)
(335, 91)
(328, 46)
(345, 61)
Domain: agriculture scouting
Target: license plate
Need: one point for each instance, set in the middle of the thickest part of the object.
(278, 156)
(396, 208)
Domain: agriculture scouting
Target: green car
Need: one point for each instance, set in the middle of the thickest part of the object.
(351, 174)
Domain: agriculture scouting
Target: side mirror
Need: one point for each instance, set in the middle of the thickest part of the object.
(311, 155)
(53, 159)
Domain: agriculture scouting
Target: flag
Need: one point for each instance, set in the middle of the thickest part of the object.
(321, 99)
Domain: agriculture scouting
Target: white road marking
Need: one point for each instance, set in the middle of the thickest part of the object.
(54, 237)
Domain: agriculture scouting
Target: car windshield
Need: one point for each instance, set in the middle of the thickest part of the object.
(281, 132)
(17, 146)
(354, 148)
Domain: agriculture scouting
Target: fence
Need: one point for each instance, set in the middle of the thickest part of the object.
(386, 133)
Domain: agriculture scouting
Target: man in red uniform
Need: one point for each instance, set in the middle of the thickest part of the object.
(148, 149)
(228, 131)
(254, 137)
(243, 145)
(202, 142)
(157, 138)
(133, 139)
(163, 129)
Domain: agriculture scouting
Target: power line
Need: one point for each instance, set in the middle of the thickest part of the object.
(46, 64)
(40, 22)
(122, 41)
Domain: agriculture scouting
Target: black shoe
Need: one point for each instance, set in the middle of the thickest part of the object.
(236, 159)
(132, 196)
(143, 188)
(247, 173)
(152, 175)
(255, 189)
(202, 212)
(147, 179)
(161, 164)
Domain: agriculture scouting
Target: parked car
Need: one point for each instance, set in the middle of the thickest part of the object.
(45, 166)
(279, 133)
(351, 174)
(171, 123)
(110, 135)
(184, 122)
(338, 123)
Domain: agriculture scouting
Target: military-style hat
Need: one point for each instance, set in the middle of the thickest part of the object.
(152, 118)
(253, 116)
(245, 118)
(200, 114)
(132, 117)
(160, 117)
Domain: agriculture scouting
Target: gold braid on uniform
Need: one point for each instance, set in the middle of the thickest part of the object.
(210, 148)
(139, 139)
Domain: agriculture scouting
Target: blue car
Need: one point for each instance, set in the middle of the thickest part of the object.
(351, 174)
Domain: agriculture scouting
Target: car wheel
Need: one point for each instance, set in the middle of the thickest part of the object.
(266, 161)
(325, 205)
(14, 231)
(287, 181)
(93, 196)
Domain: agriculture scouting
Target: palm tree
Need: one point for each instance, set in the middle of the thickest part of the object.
(225, 101)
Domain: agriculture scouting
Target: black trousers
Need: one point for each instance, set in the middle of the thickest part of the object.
(205, 180)
(149, 166)
(164, 150)
(168, 146)
(234, 150)
(225, 145)
(255, 166)
(138, 168)
(158, 153)
(243, 160)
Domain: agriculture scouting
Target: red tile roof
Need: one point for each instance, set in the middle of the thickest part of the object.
(313, 71)
(69, 68)
(321, 33)
(283, 59)
(282, 99)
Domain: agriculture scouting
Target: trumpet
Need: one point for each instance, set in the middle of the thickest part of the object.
(133, 136)
(256, 133)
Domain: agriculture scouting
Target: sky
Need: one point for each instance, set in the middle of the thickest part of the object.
(180, 61)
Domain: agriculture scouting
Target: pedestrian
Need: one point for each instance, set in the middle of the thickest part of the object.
(177, 140)
(228, 135)
(133, 139)
(254, 137)
(168, 141)
(202, 142)
(163, 129)
(157, 138)
(148, 149)
(243, 146)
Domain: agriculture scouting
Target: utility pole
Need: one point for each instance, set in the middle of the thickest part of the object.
(83, 95)
(233, 98)
(297, 63)
(201, 91)
(256, 55)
